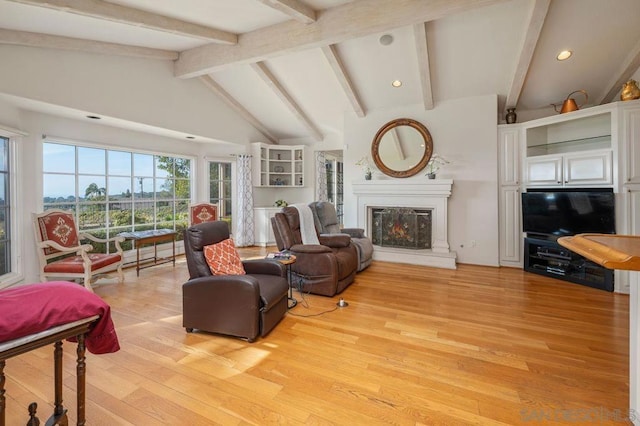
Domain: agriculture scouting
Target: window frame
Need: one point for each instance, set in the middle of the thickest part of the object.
(16, 274)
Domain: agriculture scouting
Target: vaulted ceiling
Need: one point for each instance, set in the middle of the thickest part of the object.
(293, 68)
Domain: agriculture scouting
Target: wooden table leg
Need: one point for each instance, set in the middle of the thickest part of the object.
(2, 397)
(81, 369)
(59, 413)
(137, 259)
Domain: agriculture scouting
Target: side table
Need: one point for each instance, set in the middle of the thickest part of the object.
(152, 236)
(288, 262)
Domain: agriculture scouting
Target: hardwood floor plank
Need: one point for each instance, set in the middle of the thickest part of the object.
(416, 346)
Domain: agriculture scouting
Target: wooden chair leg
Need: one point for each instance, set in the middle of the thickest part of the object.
(59, 413)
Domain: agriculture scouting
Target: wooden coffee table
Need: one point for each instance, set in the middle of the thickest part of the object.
(152, 236)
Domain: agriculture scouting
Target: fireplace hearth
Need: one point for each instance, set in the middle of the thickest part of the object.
(401, 227)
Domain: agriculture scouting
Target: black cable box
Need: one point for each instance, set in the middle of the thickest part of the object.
(554, 252)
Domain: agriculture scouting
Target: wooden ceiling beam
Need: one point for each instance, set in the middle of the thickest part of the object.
(261, 69)
(24, 38)
(235, 105)
(629, 67)
(422, 49)
(536, 20)
(298, 11)
(350, 20)
(136, 17)
(341, 74)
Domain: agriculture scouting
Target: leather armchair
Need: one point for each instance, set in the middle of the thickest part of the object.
(326, 222)
(326, 268)
(238, 305)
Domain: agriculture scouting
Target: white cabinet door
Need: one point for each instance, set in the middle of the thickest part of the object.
(510, 228)
(588, 168)
(544, 170)
(631, 141)
(509, 145)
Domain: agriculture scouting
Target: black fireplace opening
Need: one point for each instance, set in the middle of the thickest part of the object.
(401, 227)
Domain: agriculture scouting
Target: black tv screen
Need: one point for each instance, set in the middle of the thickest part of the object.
(561, 213)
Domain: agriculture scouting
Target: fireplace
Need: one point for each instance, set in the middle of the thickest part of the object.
(427, 199)
(401, 227)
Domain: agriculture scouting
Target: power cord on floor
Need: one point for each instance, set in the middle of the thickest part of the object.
(303, 301)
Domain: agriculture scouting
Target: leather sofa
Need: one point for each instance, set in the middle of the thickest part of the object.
(238, 305)
(326, 268)
(326, 222)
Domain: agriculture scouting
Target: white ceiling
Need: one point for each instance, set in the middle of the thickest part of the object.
(474, 48)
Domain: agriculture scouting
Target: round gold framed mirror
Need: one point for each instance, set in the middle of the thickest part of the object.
(402, 148)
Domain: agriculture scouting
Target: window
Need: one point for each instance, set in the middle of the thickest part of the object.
(335, 195)
(220, 189)
(113, 191)
(5, 204)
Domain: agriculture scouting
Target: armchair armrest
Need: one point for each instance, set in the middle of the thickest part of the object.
(116, 240)
(335, 240)
(223, 286)
(353, 232)
(309, 249)
(264, 266)
(79, 250)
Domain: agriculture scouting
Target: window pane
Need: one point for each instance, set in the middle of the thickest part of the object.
(226, 170)
(92, 188)
(120, 188)
(59, 188)
(164, 166)
(183, 189)
(214, 191)
(121, 216)
(91, 160)
(164, 212)
(92, 216)
(143, 188)
(214, 170)
(183, 168)
(227, 189)
(142, 165)
(143, 214)
(5, 260)
(164, 188)
(4, 224)
(58, 158)
(3, 189)
(119, 163)
(4, 154)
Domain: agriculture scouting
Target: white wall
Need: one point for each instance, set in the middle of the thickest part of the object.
(133, 89)
(464, 131)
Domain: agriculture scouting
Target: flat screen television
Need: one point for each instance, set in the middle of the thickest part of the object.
(568, 212)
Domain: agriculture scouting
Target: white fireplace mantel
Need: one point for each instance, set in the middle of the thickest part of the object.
(423, 194)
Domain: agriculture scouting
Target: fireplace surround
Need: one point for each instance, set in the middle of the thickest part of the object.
(417, 194)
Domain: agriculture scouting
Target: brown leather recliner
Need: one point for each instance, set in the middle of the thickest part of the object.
(238, 305)
(324, 269)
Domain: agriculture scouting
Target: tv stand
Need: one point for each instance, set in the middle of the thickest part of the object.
(547, 257)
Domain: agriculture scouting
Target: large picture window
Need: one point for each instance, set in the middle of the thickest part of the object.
(113, 191)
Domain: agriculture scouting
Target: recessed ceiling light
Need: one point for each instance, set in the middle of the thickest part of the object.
(94, 117)
(565, 54)
(396, 83)
(190, 137)
(386, 39)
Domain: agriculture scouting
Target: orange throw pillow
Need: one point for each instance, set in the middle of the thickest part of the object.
(223, 258)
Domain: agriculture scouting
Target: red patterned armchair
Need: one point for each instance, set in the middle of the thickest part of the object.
(203, 212)
(62, 256)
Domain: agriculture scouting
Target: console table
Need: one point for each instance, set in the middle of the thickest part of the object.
(618, 252)
(55, 335)
(152, 236)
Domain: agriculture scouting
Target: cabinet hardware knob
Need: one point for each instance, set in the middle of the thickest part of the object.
(558, 182)
(566, 181)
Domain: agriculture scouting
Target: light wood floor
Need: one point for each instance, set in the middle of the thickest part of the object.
(415, 346)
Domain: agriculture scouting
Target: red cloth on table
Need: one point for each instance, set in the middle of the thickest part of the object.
(33, 308)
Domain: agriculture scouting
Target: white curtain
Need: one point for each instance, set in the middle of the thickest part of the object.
(244, 212)
(321, 177)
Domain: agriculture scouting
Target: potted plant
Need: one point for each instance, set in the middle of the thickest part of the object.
(365, 164)
(435, 163)
(281, 203)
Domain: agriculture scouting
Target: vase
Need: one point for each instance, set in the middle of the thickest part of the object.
(630, 91)
(367, 175)
(431, 175)
(511, 116)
